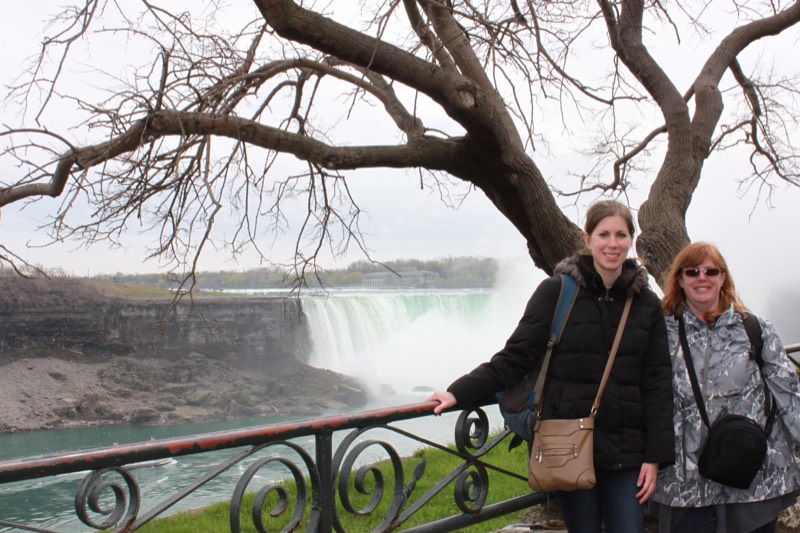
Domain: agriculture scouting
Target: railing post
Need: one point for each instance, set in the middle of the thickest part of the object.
(327, 500)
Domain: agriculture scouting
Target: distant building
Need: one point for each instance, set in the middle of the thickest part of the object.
(402, 278)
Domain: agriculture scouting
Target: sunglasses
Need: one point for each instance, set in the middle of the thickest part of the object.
(710, 272)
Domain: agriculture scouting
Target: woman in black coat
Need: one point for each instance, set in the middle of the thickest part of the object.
(633, 428)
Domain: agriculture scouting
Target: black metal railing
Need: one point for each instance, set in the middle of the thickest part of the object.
(109, 497)
(320, 481)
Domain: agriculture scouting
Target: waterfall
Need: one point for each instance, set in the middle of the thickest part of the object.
(404, 340)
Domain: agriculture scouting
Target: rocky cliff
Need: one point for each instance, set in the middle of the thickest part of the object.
(73, 352)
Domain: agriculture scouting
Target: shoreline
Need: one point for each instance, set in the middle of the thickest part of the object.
(48, 391)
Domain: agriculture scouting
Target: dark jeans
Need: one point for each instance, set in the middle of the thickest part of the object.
(704, 520)
(611, 504)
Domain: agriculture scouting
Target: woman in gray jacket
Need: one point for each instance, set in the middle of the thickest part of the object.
(701, 293)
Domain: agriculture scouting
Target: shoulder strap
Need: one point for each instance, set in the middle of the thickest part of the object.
(753, 328)
(612, 355)
(687, 355)
(566, 299)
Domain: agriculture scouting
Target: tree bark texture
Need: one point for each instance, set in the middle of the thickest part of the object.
(164, 144)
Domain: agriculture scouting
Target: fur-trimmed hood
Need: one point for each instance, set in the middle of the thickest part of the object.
(581, 267)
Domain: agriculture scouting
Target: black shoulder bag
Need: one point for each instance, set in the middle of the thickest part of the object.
(736, 445)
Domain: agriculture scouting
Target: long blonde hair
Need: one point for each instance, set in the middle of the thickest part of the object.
(692, 255)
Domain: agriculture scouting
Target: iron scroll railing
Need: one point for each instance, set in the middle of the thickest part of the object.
(108, 495)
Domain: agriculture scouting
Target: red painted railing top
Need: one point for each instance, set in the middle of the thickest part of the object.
(92, 459)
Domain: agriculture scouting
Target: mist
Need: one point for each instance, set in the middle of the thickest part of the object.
(414, 341)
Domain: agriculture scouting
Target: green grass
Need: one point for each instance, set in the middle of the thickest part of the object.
(216, 518)
(139, 292)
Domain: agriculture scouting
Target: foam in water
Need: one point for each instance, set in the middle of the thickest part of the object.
(411, 339)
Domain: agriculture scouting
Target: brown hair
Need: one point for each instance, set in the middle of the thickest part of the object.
(692, 255)
(607, 208)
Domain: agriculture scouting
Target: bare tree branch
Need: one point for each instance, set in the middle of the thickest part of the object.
(200, 133)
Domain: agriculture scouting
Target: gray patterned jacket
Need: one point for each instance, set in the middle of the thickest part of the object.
(731, 384)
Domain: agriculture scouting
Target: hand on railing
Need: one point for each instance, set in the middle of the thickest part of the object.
(446, 400)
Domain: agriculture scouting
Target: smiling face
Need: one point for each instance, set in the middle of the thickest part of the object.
(702, 291)
(609, 243)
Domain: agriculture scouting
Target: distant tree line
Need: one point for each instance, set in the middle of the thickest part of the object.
(453, 272)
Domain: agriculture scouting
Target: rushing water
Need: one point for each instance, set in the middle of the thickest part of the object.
(400, 344)
(49, 502)
(408, 339)
(404, 340)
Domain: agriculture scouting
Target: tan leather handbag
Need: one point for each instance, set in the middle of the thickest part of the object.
(562, 456)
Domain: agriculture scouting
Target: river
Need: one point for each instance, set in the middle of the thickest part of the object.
(49, 502)
(398, 341)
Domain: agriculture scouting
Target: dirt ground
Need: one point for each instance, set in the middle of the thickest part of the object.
(53, 391)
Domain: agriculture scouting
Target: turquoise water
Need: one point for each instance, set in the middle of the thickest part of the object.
(49, 502)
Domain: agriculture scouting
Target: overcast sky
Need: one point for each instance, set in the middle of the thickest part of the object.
(761, 244)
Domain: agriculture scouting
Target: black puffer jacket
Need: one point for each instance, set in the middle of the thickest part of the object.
(634, 422)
